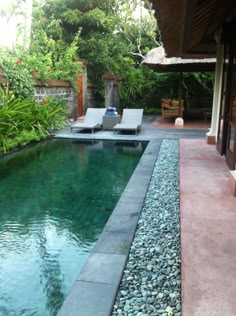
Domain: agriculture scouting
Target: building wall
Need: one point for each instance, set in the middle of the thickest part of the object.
(58, 89)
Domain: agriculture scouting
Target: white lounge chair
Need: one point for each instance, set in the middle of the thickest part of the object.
(93, 119)
(131, 121)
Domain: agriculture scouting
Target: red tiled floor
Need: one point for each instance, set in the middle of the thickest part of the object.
(170, 123)
(208, 232)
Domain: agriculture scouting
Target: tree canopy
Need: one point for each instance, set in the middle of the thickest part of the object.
(110, 37)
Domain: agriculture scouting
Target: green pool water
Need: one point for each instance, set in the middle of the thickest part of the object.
(55, 199)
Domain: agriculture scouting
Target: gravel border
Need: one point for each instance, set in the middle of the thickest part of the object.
(151, 283)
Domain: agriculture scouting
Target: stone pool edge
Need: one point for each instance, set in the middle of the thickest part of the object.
(95, 289)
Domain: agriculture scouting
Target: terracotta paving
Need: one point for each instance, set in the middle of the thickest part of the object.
(170, 123)
(208, 232)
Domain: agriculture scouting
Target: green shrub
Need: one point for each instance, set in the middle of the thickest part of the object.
(45, 59)
(19, 78)
(24, 120)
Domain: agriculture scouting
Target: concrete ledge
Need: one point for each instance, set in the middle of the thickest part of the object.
(89, 298)
(103, 268)
(114, 241)
(95, 290)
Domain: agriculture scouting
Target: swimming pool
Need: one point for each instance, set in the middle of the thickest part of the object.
(55, 199)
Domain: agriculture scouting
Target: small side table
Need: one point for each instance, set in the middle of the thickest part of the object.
(109, 121)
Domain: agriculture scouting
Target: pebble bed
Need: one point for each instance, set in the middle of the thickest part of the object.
(151, 283)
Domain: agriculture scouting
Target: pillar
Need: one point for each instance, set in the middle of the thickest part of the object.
(82, 86)
(85, 85)
(111, 90)
(116, 93)
(211, 136)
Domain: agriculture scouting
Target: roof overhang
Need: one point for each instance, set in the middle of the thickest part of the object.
(156, 59)
(188, 27)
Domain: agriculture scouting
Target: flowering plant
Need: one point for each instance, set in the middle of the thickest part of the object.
(52, 59)
(45, 59)
(19, 78)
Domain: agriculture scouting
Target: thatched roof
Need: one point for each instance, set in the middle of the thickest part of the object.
(170, 17)
(188, 27)
(156, 59)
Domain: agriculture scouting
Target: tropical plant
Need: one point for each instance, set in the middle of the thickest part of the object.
(23, 121)
(48, 58)
(45, 59)
(18, 76)
(105, 33)
(110, 39)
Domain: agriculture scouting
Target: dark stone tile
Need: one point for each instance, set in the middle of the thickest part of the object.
(145, 170)
(103, 268)
(132, 196)
(128, 207)
(89, 299)
(139, 182)
(135, 191)
(122, 223)
(114, 242)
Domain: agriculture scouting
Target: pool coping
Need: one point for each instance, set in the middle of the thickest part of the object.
(95, 288)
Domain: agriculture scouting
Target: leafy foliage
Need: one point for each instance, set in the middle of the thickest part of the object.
(114, 39)
(107, 39)
(45, 58)
(110, 37)
(53, 59)
(19, 78)
(23, 121)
